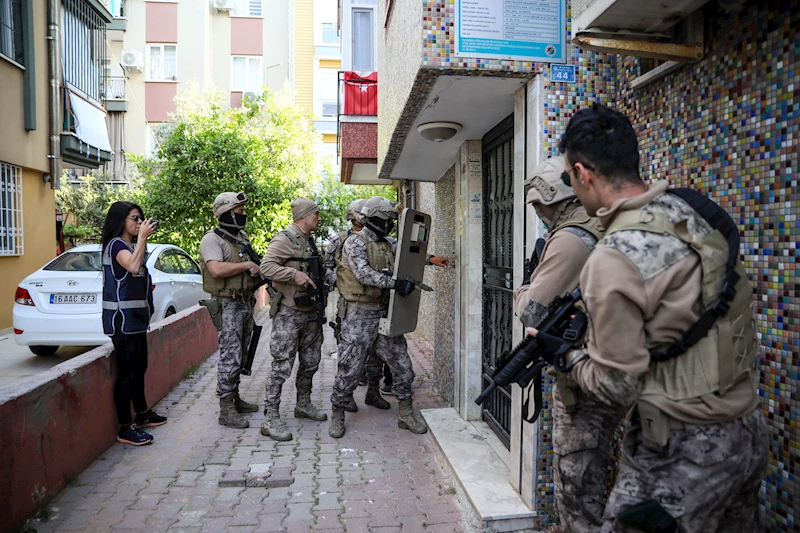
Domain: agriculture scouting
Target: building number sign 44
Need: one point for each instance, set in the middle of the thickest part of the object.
(563, 73)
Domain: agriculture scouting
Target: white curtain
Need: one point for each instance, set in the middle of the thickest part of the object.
(362, 40)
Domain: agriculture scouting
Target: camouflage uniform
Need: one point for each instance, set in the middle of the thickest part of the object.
(292, 334)
(709, 476)
(360, 332)
(237, 327)
(703, 451)
(359, 336)
(582, 429)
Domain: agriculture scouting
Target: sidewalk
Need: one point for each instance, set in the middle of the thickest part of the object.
(377, 478)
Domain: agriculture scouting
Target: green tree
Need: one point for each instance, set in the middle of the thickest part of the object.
(333, 197)
(85, 205)
(266, 148)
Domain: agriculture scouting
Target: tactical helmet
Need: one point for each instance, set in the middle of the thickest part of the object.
(226, 201)
(354, 209)
(545, 186)
(379, 215)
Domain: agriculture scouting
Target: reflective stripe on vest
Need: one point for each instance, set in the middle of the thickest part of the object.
(130, 295)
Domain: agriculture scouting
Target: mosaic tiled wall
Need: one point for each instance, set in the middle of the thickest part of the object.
(729, 126)
(595, 83)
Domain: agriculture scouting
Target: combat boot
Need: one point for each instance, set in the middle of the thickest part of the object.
(228, 416)
(375, 399)
(410, 419)
(273, 427)
(306, 409)
(351, 406)
(336, 426)
(243, 406)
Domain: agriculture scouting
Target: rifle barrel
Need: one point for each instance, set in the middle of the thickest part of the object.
(486, 392)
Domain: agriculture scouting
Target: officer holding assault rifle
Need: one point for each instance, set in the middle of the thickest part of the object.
(639, 304)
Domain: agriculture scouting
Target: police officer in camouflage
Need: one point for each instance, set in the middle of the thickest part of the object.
(333, 254)
(364, 279)
(295, 329)
(696, 453)
(582, 426)
(230, 276)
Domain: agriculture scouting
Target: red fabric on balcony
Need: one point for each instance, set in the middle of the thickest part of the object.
(360, 93)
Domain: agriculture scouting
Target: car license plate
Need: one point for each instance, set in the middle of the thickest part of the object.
(73, 298)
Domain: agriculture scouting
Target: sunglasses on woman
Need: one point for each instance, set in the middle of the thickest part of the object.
(136, 218)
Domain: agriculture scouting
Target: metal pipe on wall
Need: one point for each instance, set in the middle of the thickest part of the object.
(53, 62)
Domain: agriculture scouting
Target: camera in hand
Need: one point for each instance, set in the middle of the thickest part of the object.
(155, 224)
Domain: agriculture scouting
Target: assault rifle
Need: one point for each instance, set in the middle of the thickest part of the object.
(252, 345)
(527, 360)
(319, 296)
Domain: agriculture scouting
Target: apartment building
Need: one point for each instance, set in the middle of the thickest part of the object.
(238, 46)
(475, 94)
(51, 109)
(358, 93)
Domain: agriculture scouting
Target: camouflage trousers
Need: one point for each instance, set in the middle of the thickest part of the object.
(237, 328)
(707, 477)
(360, 338)
(292, 334)
(581, 446)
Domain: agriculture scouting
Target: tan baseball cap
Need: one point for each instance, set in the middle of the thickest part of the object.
(545, 185)
(226, 201)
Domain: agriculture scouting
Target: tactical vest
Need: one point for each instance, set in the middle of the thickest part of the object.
(343, 235)
(299, 241)
(379, 257)
(131, 295)
(240, 285)
(583, 221)
(726, 354)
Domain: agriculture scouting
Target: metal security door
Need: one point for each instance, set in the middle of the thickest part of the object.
(498, 305)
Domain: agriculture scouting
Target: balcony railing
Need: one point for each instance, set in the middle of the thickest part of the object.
(358, 93)
(357, 96)
(84, 48)
(114, 88)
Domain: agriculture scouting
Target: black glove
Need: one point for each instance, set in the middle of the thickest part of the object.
(403, 287)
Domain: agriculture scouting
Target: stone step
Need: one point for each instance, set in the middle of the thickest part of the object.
(481, 473)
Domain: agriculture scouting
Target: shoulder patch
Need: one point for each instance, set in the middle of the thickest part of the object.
(649, 252)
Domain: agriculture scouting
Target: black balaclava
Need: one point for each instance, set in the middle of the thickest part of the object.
(232, 222)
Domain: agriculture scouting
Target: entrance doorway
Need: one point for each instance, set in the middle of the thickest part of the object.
(498, 264)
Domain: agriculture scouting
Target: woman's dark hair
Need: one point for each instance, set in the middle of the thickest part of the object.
(115, 220)
(604, 139)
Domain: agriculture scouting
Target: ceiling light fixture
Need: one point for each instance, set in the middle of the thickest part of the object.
(438, 131)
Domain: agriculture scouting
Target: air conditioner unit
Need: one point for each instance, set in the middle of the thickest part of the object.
(222, 5)
(249, 96)
(132, 60)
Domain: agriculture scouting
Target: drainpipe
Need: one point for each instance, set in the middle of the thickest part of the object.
(54, 58)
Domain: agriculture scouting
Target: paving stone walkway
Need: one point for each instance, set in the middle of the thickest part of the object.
(377, 478)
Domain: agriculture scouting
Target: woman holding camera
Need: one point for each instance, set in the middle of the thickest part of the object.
(127, 308)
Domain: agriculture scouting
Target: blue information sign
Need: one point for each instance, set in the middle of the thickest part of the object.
(563, 73)
(528, 30)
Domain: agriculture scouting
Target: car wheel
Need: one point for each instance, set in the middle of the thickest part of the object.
(170, 312)
(44, 350)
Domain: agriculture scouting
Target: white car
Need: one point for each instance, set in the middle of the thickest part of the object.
(61, 303)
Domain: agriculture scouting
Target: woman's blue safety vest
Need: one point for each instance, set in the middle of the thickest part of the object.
(130, 295)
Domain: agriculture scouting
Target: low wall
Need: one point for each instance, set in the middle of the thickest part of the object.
(55, 424)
